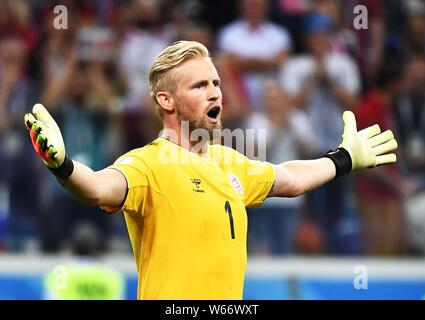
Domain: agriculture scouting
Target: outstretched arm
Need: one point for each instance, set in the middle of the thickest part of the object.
(294, 178)
(367, 148)
(106, 188)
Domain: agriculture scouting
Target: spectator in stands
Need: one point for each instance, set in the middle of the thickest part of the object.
(410, 117)
(255, 46)
(290, 136)
(415, 28)
(380, 192)
(403, 27)
(324, 83)
(18, 199)
(291, 14)
(80, 97)
(367, 45)
(142, 42)
(15, 21)
(340, 38)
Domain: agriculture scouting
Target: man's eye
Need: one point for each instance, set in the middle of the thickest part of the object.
(199, 86)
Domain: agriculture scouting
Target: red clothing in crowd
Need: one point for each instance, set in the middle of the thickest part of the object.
(374, 110)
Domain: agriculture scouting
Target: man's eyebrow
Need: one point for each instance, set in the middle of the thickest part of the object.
(200, 82)
(216, 81)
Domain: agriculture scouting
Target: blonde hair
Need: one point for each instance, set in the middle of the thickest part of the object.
(170, 58)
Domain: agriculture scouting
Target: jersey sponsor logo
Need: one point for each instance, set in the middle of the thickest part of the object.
(197, 183)
(236, 184)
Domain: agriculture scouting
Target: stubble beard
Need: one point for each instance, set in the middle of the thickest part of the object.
(212, 129)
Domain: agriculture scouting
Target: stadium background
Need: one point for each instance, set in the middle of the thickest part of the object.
(92, 76)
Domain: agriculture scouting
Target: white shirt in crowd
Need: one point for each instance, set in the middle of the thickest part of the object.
(138, 52)
(323, 110)
(264, 42)
(283, 145)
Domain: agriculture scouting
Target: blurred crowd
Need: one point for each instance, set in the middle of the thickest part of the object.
(289, 66)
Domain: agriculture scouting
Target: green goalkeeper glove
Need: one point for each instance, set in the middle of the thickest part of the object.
(47, 141)
(367, 148)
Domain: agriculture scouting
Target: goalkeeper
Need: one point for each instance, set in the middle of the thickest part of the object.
(184, 198)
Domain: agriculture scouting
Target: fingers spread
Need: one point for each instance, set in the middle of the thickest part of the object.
(385, 147)
(381, 138)
(370, 132)
(385, 159)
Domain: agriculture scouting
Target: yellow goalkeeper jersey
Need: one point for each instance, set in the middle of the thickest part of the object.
(186, 218)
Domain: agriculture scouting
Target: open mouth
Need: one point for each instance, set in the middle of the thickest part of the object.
(214, 112)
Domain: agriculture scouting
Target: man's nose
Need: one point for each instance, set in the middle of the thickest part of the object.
(214, 93)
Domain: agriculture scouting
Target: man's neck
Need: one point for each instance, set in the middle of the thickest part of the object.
(254, 25)
(182, 139)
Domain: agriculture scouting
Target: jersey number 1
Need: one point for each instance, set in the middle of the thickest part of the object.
(228, 209)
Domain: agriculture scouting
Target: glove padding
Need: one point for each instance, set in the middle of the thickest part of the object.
(369, 147)
(45, 136)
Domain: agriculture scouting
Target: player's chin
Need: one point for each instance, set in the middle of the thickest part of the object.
(213, 129)
(214, 125)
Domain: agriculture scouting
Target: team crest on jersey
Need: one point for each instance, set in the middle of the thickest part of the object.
(197, 183)
(236, 184)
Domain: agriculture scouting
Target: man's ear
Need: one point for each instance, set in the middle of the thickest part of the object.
(165, 100)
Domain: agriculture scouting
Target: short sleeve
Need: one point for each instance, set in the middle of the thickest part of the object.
(259, 179)
(352, 77)
(293, 75)
(135, 172)
(223, 42)
(283, 39)
(345, 72)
